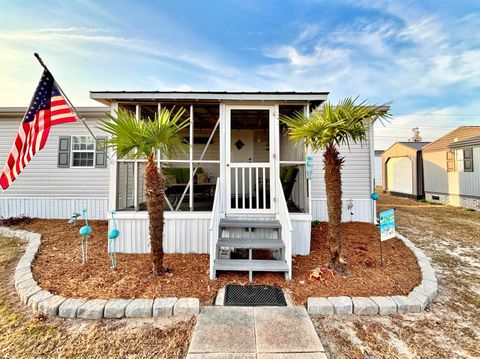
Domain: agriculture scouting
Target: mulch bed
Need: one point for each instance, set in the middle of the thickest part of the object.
(58, 267)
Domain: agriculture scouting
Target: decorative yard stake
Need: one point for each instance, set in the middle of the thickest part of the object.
(73, 219)
(85, 232)
(387, 228)
(112, 238)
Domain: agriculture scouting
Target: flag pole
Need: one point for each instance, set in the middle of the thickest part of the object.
(66, 98)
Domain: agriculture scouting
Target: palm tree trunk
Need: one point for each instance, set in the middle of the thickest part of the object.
(155, 188)
(333, 184)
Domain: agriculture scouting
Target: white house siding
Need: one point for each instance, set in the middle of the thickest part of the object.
(356, 184)
(188, 232)
(43, 189)
(438, 180)
(378, 170)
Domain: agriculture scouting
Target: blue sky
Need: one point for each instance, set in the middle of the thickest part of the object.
(422, 55)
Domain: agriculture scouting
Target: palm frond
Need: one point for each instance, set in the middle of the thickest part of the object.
(343, 124)
(135, 138)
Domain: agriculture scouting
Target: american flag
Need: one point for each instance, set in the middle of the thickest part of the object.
(47, 108)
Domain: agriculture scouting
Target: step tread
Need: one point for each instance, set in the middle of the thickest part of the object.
(256, 265)
(229, 223)
(250, 243)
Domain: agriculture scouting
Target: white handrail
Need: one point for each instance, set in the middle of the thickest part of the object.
(214, 227)
(287, 229)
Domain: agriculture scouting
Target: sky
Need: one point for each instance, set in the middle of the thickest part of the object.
(422, 56)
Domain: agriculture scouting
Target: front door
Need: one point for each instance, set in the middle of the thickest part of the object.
(250, 159)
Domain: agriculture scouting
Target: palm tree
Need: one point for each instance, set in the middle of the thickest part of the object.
(326, 130)
(144, 138)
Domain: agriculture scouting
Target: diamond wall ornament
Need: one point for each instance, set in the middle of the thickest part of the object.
(239, 144)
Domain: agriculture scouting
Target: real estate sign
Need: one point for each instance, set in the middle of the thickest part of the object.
(387, 225)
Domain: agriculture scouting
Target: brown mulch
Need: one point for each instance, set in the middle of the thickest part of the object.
(58, 267)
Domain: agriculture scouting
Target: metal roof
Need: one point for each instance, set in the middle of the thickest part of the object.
(109, 96)
(415, 145)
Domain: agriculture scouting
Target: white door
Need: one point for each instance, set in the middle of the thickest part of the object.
(250, 159)
(400, 175)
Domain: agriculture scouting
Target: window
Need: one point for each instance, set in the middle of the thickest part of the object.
(460, 160)
(83, 151)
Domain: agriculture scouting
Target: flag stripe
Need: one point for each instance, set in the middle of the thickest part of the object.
(47, 108)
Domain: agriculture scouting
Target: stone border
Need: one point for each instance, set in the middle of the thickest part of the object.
(55, 305)
(416, 301)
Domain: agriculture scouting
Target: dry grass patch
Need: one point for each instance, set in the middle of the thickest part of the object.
(22, 335)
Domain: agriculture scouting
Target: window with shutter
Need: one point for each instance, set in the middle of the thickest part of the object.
(63, 160)
(468, 159)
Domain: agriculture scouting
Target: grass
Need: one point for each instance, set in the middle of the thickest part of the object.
(23, 334)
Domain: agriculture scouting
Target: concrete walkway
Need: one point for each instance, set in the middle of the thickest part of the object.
(255, 332)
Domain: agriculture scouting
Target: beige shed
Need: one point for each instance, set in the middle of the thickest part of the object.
(402, 169)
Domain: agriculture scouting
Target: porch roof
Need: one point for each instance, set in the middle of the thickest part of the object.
(106, 97)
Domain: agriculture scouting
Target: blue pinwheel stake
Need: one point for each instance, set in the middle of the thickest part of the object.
(112, 239)
(85, 231)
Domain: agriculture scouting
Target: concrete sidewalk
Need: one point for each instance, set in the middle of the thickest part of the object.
(255, 332)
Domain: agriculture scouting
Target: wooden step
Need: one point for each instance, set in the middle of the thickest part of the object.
(254, 265)
(228, 223)
(250, 243)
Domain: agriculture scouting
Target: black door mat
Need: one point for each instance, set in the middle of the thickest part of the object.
(254, 295)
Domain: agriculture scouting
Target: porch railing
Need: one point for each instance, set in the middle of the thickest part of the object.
(250, 186)
(214, 228)
(287, 229)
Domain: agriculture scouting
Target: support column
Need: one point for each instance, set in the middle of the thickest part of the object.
(191, 159)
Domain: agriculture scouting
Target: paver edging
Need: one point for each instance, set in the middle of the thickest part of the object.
(51, 304)
(416, 301)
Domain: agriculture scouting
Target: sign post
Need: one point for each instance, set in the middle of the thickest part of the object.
(387, 228)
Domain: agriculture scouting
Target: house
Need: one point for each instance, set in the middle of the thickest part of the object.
(402, 169)
(378, 167)
(240, 182)
(452, 168)
(67, 175)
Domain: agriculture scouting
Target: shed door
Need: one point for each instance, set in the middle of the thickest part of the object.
(400, 175)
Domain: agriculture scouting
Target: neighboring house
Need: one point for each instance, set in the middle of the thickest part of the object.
(452, 168)
(67, 175)
(240, 178)
(378, 167)
(402, 169)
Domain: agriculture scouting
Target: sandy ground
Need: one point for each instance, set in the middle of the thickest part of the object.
(450, 328)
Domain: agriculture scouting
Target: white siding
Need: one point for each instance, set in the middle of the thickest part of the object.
(378, 170)
(188, 232)
(356, 184)
(362, 210)
(65, 188)
(438, 180)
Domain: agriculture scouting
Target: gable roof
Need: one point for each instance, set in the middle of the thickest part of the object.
(461, 133)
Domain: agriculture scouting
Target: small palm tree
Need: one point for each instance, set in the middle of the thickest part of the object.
(133, 138)
(326, 130)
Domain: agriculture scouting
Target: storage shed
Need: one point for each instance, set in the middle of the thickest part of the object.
(452, 164)
(402, 169)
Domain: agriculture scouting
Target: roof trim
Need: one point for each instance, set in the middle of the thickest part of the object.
(109, 96)
(474, 141)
